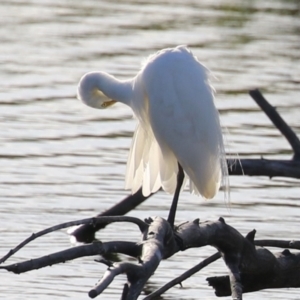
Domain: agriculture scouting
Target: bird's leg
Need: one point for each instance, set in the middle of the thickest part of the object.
(172, 212)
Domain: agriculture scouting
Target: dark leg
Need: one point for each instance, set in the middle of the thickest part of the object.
(172, 212)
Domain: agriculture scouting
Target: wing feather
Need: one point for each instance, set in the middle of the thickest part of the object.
(184, 120)
(134, 170)
(178, 123)
(143, 163)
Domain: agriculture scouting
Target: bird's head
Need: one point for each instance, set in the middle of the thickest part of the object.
(90, 90)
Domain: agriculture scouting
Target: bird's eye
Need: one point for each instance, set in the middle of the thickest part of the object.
(104, 104)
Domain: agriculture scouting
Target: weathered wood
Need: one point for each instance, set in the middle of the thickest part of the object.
(250, 267)
(158, 243)
(90, 221)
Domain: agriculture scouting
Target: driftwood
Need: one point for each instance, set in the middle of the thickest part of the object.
(251, 267)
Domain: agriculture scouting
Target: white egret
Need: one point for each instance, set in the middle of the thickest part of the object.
(178, 134)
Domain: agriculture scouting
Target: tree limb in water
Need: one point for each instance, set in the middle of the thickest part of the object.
(250, 267)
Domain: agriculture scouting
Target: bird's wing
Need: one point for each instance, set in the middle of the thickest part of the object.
(184, 119)
(147, 166)
(143, 163)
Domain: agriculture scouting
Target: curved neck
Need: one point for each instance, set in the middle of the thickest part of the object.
(96, 88)
(113, 88)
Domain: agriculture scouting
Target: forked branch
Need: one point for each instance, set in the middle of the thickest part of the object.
(247, 264)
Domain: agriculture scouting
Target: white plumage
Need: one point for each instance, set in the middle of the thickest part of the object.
(177, 122)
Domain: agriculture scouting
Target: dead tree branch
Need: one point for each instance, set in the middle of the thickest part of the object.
(183, 277)
(93, 222)
(250, 268)
(277, 120)
(86, 233)
(282, 271)
(158, 243)
(265, 167)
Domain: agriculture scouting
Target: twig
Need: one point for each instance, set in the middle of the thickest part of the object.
(278, 244)
(183, 276)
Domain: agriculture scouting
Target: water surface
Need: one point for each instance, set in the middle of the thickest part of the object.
(63, 161)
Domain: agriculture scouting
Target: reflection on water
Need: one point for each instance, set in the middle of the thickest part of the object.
(61, 160)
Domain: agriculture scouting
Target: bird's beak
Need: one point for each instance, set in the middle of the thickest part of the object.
(108, 103)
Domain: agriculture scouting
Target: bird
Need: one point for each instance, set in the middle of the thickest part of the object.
(178, 137)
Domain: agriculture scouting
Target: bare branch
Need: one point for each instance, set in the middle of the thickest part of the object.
(109, 276)
(156, 242)
(264, 167)
(142, 226)
(278, 244)
(184, 276)
(86, 233)
(96, 248)
(277, 120)
(247, 264)
(55, 258)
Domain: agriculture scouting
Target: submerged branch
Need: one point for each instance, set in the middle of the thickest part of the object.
(250, 268)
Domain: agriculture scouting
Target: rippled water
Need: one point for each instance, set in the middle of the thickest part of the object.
(63, 161)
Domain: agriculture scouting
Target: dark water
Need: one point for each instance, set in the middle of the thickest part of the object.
(63, 161)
